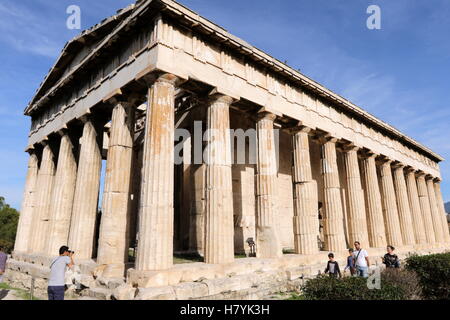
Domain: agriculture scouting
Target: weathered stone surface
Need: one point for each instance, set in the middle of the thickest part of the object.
(435, 214)
(305, 221)
(390, 212)
(62, 197)
(28, 205)
(155, 241)
(404, 211)
(414, 203)
(113, 241)
(84, 212)
(219, 192)
(375, 220)
(333, 213)
(425, 208)
(161, 293)
(124, 292)
(41, 213)
(357, 225)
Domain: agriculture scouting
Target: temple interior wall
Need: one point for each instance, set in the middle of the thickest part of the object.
(285, 192)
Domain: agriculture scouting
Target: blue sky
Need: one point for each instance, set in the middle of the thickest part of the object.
(399, 73)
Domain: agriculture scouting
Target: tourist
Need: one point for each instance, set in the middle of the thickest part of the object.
(3, 258)
(332, 267)
(361, 260)
(57, 273)
(390, 259)
(350, 263)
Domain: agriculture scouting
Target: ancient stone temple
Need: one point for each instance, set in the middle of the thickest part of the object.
(210, 149)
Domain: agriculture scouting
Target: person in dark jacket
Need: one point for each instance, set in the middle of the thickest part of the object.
(350, 262)
(390, 259)
(332, 267)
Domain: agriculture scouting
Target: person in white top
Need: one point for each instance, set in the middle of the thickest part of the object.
(361, 260)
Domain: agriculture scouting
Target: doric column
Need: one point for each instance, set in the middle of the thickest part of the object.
(435, 215)
(267, 237)
(414, 204)
(357, 225)
(442, 213)
(62, 197)
(306, 223)
(391, 220)
(219, 244)
(28, 204)
(85, 203)
(404, 211)
(113, 240)
(44, 187)
(425, 208)
(375, 220)
(333, 217)
(155, 242)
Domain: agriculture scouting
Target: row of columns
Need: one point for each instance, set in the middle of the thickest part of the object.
(60, 202)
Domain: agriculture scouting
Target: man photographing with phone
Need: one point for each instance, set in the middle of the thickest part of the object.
(57, 273)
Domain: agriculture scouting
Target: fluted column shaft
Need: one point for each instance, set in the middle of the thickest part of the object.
(62, 197)
(267, 237)
(435, 215)
(85, 203)
(391, 219)
(219, 243)
(155, 243)
(404, 211)
(375, 220)
(333, 213)
(113, 240)
(357, 224)
(44, 187)
(306, 223)
(414, 203)
(426, 209)
(28, 204)
(442, 213)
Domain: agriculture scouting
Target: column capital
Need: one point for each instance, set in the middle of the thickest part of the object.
(437, 180)
(118, 96)
(348, 146)
(429, 177)
(149, 77)
(325, 137)
(31, 149)
(299, 128)
(384, 160)
(220, 97)
(398, 165)
(420, 174)
(368, 154)
(265, 115)
(410, 169)
(86, 117)
(63, 131)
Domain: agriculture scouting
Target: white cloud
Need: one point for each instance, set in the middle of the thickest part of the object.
(28, 31)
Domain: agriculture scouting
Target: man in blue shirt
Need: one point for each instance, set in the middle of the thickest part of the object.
(57, 273)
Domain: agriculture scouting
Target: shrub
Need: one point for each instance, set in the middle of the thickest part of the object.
(434, 274)
(350, 288)
(408, 281)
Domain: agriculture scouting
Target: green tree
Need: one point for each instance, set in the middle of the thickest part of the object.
(9, 217)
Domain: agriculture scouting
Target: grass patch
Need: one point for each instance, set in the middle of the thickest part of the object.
(20, 293)
(180, 258)
(296, 296)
